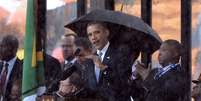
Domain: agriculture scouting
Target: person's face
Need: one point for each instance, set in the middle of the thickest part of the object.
(68, 46)
(166, 54)
(7, 51)
(98, 35)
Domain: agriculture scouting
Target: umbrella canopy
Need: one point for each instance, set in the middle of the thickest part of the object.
(123, 28)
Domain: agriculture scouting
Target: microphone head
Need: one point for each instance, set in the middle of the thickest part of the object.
(77, 52)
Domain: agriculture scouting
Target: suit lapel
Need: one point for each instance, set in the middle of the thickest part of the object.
(1, 66)
(106, 60)
(107, 56)
(16, 71)
(90, 73)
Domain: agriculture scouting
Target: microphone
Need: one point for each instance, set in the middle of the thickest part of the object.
(77, 52)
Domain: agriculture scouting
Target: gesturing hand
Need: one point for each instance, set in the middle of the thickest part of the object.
(97, 61)
(142, 70)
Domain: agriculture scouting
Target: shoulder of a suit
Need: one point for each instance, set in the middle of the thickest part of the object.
(18, 60)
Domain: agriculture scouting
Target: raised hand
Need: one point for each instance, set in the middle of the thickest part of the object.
(97, 61)
(142, 70)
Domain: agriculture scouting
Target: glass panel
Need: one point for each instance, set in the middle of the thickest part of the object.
(132, 7)
(196, 39)
(59, 13)
(12, 20)
(166, 21)
(88, 6)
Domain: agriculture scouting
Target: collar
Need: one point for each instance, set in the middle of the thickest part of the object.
(162, 71)
(105, 48)
(12, 61)
(72, 61)
(169, 66)
(65, 61)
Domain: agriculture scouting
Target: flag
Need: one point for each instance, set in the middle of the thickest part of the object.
(33, 66)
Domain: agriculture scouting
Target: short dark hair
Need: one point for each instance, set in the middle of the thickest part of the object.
(103, 24)
(76, 80)
(175, 45)
(10, 40)
(83, 42)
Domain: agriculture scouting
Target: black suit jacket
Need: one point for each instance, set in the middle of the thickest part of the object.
(113, 81)
(16, 74)
(169, 87)
(52, 73)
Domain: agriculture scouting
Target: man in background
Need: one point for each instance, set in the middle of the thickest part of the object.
(13, 69)
(68, 47)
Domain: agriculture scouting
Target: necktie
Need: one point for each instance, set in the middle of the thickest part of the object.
(3, 77)
(97, 69)
(100, 55)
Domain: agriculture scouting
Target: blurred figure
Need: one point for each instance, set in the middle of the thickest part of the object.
(196, 93)
(85, 66)
(58, 54)
(197, 69)
(166, 83)
(68, 46)
(16, 91)
(8, 49)
(70, 87)
(86, 49)
(53, 73)
(196, 78)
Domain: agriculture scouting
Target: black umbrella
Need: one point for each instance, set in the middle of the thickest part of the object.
(123, 28)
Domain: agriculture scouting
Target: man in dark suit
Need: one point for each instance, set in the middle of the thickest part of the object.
(111, 67)
(166, 83)
(68, 47)
(8, 49)
(85, 66)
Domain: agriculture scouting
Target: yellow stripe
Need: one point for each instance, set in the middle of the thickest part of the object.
(34, 54)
